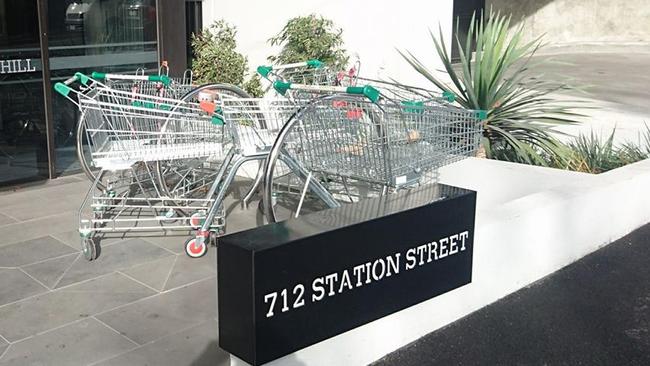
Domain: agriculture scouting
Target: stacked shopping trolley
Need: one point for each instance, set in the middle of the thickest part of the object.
(162, 153)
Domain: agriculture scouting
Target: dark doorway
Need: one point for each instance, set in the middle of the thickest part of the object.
(463, 11)
(23, 135)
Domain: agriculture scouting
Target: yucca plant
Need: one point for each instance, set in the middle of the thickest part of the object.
(631, 152)
(499, 79)
(591, 154)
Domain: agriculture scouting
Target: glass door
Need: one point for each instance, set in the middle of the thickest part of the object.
(117, 36)
(23, 138)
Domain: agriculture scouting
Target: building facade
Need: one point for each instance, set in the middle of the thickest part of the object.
(571, 22)
(46, 41)
(373, 31)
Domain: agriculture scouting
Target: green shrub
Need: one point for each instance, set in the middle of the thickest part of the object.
(253, 86)
(217, 60)
(591, 154)
(500, 79)
(310, 37)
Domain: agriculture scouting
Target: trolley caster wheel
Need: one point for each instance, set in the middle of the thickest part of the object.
(197, 219)
(90, 249)
(195, 248)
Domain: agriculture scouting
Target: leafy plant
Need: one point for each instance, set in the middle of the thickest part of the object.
(642, 147)
(591, 154)
(310, 37)
(253, 86)
(217, 60)
(499, 80)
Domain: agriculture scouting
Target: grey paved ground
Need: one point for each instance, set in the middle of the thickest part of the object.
(593, 312)
(143, 302)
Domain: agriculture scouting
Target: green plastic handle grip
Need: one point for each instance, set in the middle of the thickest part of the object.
(62, 89)
(264, 71)
(98, 75)
(314, 63)
(481, 114)
(449, 96)
(160, 79)
(84, 79)
(367, 91)
(281, 86)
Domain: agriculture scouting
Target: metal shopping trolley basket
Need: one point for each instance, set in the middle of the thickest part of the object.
(317, 74)
(160, 85)
(253, 125)
(342, 147)
(126, 133)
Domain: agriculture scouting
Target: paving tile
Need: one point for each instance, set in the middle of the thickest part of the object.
(72, 238)
(49, 272)
(240, 218)
(28, 209)
(154, 273)
(158, 316)
(34, 194)
(79, 343)
(3, 346)
(44, 185)
(187, 270)
(4, 220)
(42, 312)
(16, 285)
(196, 346)
(118, 256)
(31, 251)
(27, 230)
(174, 241)
(73, 187)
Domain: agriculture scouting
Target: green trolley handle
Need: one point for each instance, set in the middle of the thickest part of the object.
(64, 88)
(368, 91)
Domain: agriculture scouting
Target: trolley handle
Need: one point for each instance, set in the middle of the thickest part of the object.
(368, 91)
(64, 88)
(166, 80)
(265, 70)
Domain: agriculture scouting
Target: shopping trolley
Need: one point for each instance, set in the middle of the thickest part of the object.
(360, 141)
(126, 133)
(310, 72)
(253, 124)
(161, 85)
(317, 74)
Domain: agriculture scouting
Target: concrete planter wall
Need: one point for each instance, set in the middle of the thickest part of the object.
(530, 222)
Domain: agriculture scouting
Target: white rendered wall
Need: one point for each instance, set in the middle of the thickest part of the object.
(371, 29)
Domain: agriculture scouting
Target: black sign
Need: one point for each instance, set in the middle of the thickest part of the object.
(286, 286)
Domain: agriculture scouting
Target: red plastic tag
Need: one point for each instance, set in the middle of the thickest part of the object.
(354, 113)
(208, 107)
